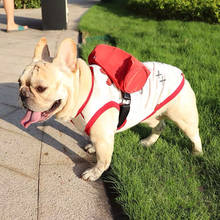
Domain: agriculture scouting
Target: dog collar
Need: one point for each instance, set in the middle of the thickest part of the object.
(89, 95)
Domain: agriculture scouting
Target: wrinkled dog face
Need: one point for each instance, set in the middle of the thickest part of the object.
(44, 86)
(41, 92)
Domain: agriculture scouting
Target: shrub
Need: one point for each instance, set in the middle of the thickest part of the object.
(27, 3)
(204, 10)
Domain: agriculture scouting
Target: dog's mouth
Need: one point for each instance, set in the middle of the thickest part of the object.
(33, 117)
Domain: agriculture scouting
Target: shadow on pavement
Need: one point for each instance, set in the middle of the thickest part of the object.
(11, 112)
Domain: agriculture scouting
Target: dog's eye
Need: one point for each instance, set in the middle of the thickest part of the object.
(41, 89)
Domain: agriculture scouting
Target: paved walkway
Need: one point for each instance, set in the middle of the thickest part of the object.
(40, 167)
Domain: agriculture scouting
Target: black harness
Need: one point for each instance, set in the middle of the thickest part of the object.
(124, 108)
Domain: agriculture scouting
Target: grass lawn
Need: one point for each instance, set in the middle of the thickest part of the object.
(165, 181)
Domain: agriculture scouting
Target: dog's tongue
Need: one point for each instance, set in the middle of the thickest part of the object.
(30, 117)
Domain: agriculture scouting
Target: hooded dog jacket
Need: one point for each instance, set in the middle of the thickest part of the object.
(162, 85)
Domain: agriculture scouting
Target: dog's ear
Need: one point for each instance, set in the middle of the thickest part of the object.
(67, 54)
(41, 51)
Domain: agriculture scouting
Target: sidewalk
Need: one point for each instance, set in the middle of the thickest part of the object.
(40, 166)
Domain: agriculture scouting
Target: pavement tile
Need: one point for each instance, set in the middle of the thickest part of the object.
(19, 154)
(10, 75)
(18, 196)
(63, 196)
(63, 144)
(9, 94)
(40, 167)
(6, 109)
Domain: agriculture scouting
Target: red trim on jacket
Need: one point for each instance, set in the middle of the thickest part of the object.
(89, 95)
(105, 107)
(169, 98)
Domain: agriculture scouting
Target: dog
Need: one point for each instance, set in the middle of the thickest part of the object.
(73, 91)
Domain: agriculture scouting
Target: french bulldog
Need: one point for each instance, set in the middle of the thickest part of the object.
(70, 89)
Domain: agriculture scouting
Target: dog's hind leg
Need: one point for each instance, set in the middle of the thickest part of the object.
(184, 113)
(157, 127)
(191, 130)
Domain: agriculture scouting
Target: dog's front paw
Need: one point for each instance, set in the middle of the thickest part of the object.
(92, 174)
(90, 148)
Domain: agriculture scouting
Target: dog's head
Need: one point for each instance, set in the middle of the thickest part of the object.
(46, 86)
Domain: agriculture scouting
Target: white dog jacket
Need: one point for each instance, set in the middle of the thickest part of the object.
(163, 84)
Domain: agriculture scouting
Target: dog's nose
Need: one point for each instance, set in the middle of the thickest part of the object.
(24, 93)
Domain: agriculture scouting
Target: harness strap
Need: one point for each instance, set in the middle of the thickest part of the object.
(105, 107)
(124, 109)
(89, 95)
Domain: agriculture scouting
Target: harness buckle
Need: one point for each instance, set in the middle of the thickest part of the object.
(126, 98)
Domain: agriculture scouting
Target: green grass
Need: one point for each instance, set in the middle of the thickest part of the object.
(165, 181)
